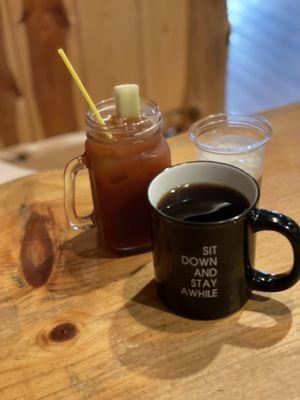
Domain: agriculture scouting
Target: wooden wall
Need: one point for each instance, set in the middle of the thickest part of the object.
(164, 45)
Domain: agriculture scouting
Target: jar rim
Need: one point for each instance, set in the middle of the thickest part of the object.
(260, 125)
(106, 108)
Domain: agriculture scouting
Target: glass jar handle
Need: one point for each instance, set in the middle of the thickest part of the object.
(77, 222)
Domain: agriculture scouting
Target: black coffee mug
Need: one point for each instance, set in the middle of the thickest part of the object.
(205, 270)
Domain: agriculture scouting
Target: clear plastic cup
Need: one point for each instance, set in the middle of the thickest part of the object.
(232, 139)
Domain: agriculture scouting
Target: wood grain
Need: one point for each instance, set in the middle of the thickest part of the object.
(96, 329)
(163, 27)
(9, 93)
(46, 25)
(110, 44)
(27, 118)
(75, 52)
(207, 55)
(21, 112)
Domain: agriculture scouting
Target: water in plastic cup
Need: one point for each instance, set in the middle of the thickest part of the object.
(232, 139)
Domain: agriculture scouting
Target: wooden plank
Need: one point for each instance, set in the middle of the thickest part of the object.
(75, 53)
(147, 45)
(97, 329)
(109, 44)
(15, 99)
(46, 24)
(208, 42)
(27, 118)
(163, 33)
(9, 93)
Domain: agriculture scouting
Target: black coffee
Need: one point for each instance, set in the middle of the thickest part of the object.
(203, 203)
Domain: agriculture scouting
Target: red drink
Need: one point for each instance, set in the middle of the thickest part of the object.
(120, 170)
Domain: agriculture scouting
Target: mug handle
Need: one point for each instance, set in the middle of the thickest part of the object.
(77, 222)
(261, 220)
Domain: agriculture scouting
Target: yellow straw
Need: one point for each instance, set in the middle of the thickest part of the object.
(83, 89)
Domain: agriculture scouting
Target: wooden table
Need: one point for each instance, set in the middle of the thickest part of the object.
(78, 324)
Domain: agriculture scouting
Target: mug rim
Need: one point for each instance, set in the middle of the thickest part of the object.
(212, 223)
